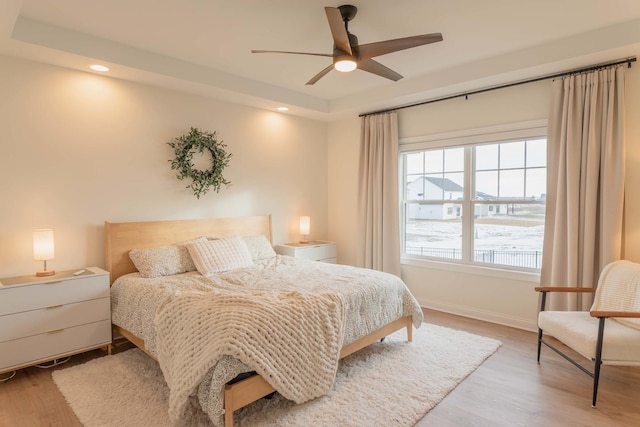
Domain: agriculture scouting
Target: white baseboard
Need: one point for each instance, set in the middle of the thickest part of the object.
(500, 319)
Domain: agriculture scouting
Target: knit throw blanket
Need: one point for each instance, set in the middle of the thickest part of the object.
(292, 339)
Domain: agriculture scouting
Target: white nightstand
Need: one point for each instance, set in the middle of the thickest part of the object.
(47, 318)
(315, 250)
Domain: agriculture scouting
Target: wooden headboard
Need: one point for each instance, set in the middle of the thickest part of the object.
(121, 237)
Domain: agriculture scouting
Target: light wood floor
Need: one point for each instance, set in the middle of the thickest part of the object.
(509, 389)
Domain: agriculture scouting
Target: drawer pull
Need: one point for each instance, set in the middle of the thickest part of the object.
(54, 306)
(53, 283)
(55, 331)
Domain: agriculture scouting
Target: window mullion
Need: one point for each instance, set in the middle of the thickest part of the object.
(467, 206)
(402, 192)
(524, 166)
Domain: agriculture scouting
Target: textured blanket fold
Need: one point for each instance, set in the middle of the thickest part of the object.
(292, 339)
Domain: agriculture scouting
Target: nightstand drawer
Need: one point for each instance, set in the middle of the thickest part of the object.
(28, 323)
(56, 292)
(315, 251)
(38, 348)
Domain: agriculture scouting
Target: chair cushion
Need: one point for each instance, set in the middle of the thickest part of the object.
(578, 330)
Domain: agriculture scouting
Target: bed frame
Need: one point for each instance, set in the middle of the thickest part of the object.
(120, 238)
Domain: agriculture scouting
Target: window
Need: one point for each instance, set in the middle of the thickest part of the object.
(477, 199)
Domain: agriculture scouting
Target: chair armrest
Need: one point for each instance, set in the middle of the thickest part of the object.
(563, 289)
(545, 289)
(615, 314)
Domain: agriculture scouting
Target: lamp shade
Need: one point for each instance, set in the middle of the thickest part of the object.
(305, 225)
(305, 228)
(43, 245)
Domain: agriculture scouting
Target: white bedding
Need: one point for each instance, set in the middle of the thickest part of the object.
(372, 300)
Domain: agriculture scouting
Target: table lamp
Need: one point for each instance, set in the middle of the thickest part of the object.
(43, 250)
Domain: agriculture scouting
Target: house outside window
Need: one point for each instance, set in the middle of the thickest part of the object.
(476, 197)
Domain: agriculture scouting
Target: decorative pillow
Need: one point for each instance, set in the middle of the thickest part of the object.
(164, 260)
(214, 256)
(259, 247)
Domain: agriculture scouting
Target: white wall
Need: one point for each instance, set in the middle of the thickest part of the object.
(508, 299)
(78, 149)
(343, 158)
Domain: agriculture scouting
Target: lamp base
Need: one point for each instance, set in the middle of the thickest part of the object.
(304, 242)
(44, 273)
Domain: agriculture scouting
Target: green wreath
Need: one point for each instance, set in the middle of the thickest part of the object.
(198, 141)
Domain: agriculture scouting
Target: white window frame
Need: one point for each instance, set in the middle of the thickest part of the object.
(493, 134)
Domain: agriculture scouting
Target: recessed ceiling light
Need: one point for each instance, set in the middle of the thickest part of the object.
(283, 109)
(97, 67)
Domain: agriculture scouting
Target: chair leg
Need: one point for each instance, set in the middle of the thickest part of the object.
(543, 303)
(539, 342)
(598, 361)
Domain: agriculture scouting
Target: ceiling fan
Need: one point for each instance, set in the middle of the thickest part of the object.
(348, 55)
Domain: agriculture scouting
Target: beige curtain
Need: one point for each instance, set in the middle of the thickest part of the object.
(585, 187)
(378, 217)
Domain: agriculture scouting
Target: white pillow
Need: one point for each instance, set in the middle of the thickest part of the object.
(214, 256)
(163, 260)
(259, 247)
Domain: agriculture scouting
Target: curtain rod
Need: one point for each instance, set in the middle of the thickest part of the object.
(627, 61)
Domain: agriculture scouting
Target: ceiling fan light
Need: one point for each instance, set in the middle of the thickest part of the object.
(345, 63)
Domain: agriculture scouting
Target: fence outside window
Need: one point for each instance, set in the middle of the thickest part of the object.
(526, 259)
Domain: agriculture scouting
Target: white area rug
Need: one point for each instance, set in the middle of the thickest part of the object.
(393, 383)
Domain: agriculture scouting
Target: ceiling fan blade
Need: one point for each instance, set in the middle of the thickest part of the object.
(377, 68)
(320, 75)
(294, 53)
(338, 30)
(372, 50)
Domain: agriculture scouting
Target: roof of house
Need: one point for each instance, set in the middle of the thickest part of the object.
(444, 183)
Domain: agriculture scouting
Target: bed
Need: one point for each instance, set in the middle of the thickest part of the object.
(130, 292)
